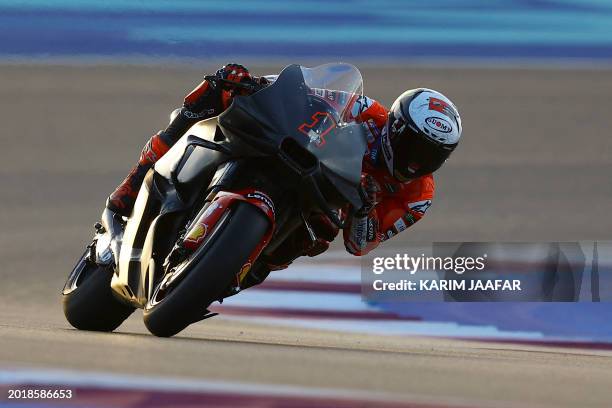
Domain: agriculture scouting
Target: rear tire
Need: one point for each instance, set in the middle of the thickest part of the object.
(208, 274)
(88, 301)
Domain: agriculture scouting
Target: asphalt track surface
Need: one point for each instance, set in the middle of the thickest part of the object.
(534, 165)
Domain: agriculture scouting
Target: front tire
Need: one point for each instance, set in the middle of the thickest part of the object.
(88, 301)
(208, 273)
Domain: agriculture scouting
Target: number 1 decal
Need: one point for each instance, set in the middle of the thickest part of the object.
(325, 121)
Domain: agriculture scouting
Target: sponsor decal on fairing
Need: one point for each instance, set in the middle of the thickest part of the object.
(197, 234)
(258, 195)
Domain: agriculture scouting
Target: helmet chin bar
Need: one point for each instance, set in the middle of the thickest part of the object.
(387, 152)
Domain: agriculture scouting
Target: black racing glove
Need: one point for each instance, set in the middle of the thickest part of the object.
(207, 99)
(234, 73)
(368, 192)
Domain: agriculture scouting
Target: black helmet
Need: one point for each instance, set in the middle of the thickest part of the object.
(422, 130)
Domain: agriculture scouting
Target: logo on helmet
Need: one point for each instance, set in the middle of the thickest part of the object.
(438, 124)
(443, 107)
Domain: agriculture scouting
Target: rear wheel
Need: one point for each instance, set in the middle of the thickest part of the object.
(183, 296)
(88, 301)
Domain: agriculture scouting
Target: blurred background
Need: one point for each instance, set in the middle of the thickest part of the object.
(83, 84)
(531, 80)
(408, 31)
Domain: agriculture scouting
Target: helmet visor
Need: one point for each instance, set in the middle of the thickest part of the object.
(415, 155)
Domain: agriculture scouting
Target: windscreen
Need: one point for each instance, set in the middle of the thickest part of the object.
(338, 84)
(313, 107)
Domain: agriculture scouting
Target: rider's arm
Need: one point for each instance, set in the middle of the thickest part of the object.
(362, 109)
(369, 111)
(205, 101)
(201, 103)
(389, 217)
(363, 234)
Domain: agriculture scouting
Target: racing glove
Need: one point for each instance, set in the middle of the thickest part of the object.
(369, 191)
(210, 98)
(362, 233)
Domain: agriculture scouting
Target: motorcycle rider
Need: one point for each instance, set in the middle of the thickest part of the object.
(406, 144)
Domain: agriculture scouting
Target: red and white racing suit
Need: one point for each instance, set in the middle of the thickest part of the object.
(397, 205)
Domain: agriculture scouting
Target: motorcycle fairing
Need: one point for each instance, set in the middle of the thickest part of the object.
(283, 111)
(187, 166)
(173, 186)
(221, 203)
(127, 282)
(267, 123)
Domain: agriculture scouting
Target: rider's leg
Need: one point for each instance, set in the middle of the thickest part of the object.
(123, 198)
(297, 244)
(204, 102)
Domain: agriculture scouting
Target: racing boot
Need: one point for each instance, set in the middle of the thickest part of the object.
(122, 200)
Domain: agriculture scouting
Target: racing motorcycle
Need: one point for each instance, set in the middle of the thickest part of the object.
(230, 191)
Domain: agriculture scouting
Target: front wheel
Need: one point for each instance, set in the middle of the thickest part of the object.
(88, 301)
(183, 296)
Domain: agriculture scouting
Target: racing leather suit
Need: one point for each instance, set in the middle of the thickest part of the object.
(396, 205)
